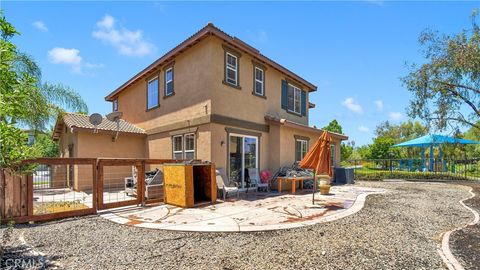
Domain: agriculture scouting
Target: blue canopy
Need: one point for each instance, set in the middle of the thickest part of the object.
(434, 140)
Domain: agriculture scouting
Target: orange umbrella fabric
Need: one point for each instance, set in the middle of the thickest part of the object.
(319, 156)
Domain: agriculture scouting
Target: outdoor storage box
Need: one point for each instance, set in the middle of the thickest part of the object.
(186, 185)
(343, 176)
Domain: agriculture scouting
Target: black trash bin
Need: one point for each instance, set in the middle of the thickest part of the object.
(343, 176)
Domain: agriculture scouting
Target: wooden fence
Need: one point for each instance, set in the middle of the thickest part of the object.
(66, 187)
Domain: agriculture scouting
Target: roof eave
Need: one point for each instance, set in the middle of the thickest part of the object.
(288, 123)
(210, 29)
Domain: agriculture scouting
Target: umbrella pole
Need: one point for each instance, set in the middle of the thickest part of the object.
(314, 186)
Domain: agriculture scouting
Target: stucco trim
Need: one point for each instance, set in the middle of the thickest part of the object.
(229, 121)
(243, 132)
(299, 137)
(214, 118)
(179, 125)
(184, 131)
(284, 122)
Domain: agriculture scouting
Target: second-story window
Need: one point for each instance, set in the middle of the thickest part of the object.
(294, 99)
(152, 94)
(115, 105)
(259, 81)
(231, 71)
(169, 82)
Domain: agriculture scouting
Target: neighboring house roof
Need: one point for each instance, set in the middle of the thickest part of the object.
(209, 30)
(285, 122)
(81, 121)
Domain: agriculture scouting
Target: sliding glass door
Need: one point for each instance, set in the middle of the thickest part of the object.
(243, 155)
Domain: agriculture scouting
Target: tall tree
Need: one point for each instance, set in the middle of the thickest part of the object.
(446, 89)
(334, 126)
(24, 100)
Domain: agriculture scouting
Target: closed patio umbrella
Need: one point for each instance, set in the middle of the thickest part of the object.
(318, 159)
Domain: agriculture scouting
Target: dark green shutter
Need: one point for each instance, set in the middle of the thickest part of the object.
(304, 103)
(284, 95)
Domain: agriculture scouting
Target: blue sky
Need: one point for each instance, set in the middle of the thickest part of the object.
(355, 52)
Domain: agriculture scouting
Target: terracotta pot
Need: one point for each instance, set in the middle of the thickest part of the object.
(325, 189)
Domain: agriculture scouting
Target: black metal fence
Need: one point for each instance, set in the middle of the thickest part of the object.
(441, 169)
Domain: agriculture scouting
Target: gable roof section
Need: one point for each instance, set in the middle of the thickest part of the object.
(81, 121)
(209, 30)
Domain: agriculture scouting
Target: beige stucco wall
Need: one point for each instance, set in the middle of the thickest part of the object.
(253, 108)
(287, 144)
(159, 146)
(199, 91)
(219, 150)
(192, 84)
(100, 145)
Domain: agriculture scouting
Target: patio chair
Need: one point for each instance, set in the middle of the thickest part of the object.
(255, 179)
(226, 190)
(153, 180)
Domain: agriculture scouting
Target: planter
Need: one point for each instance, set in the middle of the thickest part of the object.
(325, 189)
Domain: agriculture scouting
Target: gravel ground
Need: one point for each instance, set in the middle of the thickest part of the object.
(465, 244)
(398, 230)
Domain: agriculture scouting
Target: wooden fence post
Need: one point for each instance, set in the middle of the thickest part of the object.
(141, 182)
(2, 194)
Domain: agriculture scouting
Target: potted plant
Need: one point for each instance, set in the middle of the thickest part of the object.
(324, 184)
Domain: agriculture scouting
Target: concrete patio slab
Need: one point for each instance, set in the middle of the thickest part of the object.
(251, 212)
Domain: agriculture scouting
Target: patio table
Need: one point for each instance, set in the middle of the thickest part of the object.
(294, 182)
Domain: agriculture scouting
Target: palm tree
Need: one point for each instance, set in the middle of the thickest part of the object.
(48, 101)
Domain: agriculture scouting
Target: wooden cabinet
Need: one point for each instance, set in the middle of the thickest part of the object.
(187, 185)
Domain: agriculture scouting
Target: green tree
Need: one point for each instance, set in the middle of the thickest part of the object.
(446, 88)
(25, 100)
(346, 151)
(334, 126)
(382, 149)
(44, 146)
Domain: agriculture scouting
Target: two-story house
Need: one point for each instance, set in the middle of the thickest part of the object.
(213, 97)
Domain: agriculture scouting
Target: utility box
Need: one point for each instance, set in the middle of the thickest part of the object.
(187, 185)
(344, 176)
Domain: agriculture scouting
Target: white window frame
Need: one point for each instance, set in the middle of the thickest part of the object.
(259, 81)
(257, 139)
(183, 150)
(158, 94)
(303, 144)
(231, 67)
(168, 81)
(295, 89)
(173, 146)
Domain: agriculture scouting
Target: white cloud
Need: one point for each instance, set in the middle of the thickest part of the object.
(59, 55)
(127, 42)
(395, 116)
(379, 105)
(40, 26)
(70, 57)
(363, 129)
(352, 105)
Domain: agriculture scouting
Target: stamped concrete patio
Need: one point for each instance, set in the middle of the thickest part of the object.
(251, 212)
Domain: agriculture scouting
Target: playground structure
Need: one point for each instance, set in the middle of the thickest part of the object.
(429, 142)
